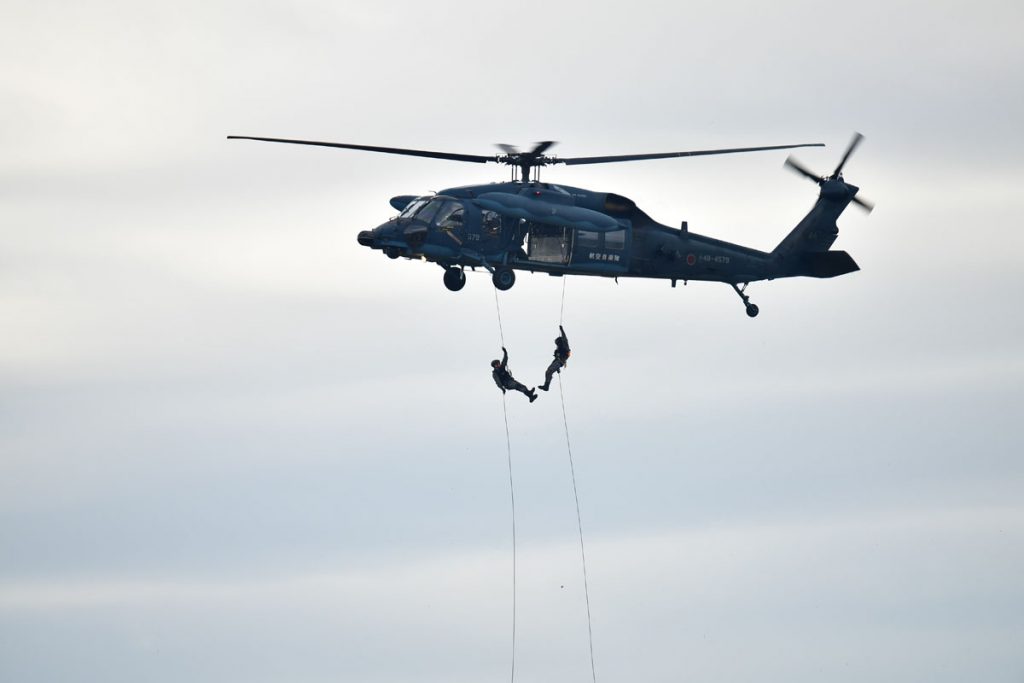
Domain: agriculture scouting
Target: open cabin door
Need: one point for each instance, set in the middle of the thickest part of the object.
(548, 243)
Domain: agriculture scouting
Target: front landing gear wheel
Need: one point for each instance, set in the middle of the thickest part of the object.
(752, 310)
(504, 278)
(454, 279)
(392, 252)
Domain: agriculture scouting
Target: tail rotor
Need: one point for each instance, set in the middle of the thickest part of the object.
(802, 170)
(838, 173)
(835, 180)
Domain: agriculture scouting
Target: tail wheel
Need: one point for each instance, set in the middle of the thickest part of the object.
(753, 310)
(504, 278)
(454, 279)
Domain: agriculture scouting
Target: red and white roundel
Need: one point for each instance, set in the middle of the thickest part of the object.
(690, 259)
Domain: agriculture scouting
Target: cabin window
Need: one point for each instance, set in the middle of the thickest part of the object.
(588, 239)
(616, 239)
(492, 223)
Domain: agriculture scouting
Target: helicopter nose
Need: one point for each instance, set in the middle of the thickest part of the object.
(367, 238)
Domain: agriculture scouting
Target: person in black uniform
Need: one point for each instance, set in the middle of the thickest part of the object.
(503, 378)
(562, 354)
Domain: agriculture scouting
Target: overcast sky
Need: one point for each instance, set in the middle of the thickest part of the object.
(234, 445)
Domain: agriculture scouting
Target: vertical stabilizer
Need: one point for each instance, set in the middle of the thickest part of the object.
(812, 237)
(818, 230)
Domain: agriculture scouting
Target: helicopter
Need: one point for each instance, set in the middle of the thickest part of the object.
(528, 225)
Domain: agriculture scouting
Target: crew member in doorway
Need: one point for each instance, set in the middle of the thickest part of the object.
(562, 354)
(503, 378)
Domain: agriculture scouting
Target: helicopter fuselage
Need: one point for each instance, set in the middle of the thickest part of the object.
(561, 230)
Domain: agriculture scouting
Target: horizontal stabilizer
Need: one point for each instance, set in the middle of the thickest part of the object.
(830, 263)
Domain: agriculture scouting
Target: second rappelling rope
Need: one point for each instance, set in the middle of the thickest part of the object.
(576, 496)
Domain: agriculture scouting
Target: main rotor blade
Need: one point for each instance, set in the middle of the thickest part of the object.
(541, 147)
(863, 203)
(667, 155)
(802, 170)
(475, 158)
(507, 149)
(857, 137)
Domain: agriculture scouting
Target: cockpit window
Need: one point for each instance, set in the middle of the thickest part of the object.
(413, 207)
(428, 212)
(450, 217)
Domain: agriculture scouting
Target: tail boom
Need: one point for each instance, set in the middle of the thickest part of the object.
(805, 250)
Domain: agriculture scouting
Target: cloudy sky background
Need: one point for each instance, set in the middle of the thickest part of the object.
(234, 445)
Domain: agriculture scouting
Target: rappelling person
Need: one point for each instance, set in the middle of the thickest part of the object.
(503, 378)
(562, 354)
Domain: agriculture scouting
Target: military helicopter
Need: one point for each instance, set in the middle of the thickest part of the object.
(525, 224)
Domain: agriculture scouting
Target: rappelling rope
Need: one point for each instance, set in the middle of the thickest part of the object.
(579, 526)
(512, 494)
(561, 313)
(501, 332)
(576, 496)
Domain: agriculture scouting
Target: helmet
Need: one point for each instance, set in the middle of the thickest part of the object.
(495, 363)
